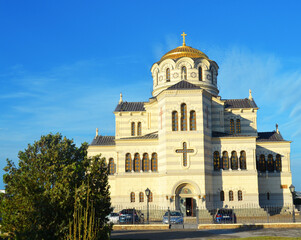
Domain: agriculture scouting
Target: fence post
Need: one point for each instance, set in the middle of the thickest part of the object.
(197, 216)
(168, 216)
(133, 215)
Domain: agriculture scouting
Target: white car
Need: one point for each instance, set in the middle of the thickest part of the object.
(113, 217)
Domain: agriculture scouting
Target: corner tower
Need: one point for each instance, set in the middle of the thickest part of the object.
(188, 64)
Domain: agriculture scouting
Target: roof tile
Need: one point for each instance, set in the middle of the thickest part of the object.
(130, 107)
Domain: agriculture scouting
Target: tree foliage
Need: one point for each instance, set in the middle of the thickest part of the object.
(40, 192)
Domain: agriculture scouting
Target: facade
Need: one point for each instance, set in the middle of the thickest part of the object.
(190, 147)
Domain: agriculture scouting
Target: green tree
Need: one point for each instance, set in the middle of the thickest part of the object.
(40, 192)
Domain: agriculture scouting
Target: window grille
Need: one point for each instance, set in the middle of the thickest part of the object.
(128, 162)
(145, 163)
(132, 197)
(174, 121)
(242, 159)
(239, 193)
(137, 162)
(167, 75)
(231, 198)
(225, 160)
(234, 161)
(238, 127)
(192, 121)
(133, 129)
(139, 129)
(232, 130)
(183, 117)
(216, 160)
(154, 162)
(141, 197)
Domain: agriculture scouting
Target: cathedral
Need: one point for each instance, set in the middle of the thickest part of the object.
(190, 147)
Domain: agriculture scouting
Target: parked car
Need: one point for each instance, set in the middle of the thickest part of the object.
(176, 217)
(127, 216)
(113, 217)
(224, 215)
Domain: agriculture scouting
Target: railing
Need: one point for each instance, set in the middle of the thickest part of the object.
(248, 214)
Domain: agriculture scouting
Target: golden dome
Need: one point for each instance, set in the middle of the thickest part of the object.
(184, 51)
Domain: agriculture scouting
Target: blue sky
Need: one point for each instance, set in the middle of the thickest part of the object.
(64, 63)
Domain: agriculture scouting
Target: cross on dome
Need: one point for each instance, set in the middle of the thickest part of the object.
(184, 35)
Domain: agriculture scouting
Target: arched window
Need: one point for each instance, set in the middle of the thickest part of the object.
(225, 160)
(270, 163)
(216, 160)
(268, 196)
(150, 197)
(167, 75)
(184, 73)
(238, 128)
(141, 197)
(234, 161)
(222, 196)
(111, 166)
(262, 163)
(243, 160)
(278, 163)
(239, 194)
(132, 197)
(183, 117)
(137, 162)
(154, 162)
(133, 129)
(212, 76)
(192, 121)
(145, 163)
(232, 130)
(231, 198)
(175, 121)
(200, 74)
(128, 162)
(139, 130)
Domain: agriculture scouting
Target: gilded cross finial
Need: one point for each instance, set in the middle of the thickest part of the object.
(184, 35)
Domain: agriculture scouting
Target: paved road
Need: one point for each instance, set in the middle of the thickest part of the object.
(181, 234)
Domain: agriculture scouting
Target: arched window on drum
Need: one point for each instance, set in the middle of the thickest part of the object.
(184, 73)
(167, 75)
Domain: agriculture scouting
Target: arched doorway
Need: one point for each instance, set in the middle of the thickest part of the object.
(186, 199)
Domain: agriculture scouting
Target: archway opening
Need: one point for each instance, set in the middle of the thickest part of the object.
(186, 200)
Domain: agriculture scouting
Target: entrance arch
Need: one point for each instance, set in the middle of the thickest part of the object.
(186, 199)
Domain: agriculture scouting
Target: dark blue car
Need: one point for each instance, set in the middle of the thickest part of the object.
(225, 216)
(127, 216)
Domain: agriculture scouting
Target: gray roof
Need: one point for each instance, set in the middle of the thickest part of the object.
(103, 141)
(240, 103)
(130, 107)
(153, 135)
(222, 134)
(183, 85)
(269, 137)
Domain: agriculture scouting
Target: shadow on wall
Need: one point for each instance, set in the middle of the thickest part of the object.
(269, 167)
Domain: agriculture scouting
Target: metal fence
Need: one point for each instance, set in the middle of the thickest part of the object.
(247, 214)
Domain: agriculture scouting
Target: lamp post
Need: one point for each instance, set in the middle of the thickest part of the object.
(292, 189)
(147, 193)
